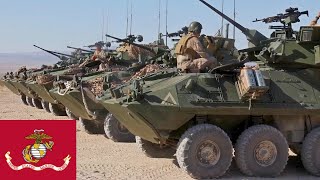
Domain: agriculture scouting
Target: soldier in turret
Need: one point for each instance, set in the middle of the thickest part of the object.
(315, 21)
(99, 54)
(191, 55)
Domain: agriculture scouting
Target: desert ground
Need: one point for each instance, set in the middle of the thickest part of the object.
(99, 158)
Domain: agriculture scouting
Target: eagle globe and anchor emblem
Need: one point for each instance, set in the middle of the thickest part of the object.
(35, 152)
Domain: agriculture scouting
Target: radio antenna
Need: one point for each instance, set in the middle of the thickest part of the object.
(159, 17)
(127, 18)
(234, 18)
(102, 26)
(222, 20)
(166, 22)
(107, 26)
(131, 18)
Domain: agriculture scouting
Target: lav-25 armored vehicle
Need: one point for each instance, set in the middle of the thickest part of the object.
(79, 94)
(259, 106)
(25, 82)
(40, 83)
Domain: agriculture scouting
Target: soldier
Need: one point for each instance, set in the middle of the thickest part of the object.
(315, 21)
(99, 54)
(191, 55)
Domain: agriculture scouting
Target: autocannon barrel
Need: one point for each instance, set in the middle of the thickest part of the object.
(253, 36)
(84, 50)
(55, 53)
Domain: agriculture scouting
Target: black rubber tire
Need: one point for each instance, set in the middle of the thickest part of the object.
(70, 114)
(154, 150)
(57, 109)
(310, 153)
(45, 106)
(37, 103)
(187, 151)
(244, 151)
(29, 101)
(24, 99)
(91, 126)
(113, 131)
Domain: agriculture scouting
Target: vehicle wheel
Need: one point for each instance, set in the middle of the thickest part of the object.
(24, 99)
(262, 151)
(57, 109)
(45, 106)
(29, 101)
(37, 103)
(310, 155)
(154, 150)
(70, 114)
(204, 151)
(115, 131)
(91, 126)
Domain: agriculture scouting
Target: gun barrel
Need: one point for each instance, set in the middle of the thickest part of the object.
(85, 50)
(305, 12)
(132, 43)
(54, 53)
(63, 54)
(50, 52)
(253, 36)
(237, 25)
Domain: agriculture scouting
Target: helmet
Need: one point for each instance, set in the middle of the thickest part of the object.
(195, 27)
(99, 44)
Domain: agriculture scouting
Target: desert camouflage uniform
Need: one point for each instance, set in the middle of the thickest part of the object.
(98, 55)
(101, 55)
(315, 21)
(133, 52)
(192, 56)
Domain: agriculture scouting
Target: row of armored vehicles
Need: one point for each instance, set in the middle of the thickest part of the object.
(203, 101)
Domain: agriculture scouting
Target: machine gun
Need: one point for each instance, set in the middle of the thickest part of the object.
(84, 50)
(291, 16)
(179, 33)
(287, 19)
(130, 39)
(153, 50)
(61, 56)
(106, 44)
(253, 36)
(158, 52)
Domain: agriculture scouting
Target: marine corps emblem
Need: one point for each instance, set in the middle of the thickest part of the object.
(33, 153)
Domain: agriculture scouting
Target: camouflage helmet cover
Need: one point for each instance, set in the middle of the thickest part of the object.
(195, 27)
(99, 44)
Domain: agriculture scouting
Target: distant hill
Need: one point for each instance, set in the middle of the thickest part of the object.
(12, 61)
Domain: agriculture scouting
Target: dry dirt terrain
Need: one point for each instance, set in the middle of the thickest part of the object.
(100, 159)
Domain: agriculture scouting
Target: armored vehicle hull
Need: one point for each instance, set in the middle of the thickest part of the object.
(42, 90)
(81, 101)
(74, 102)
(10, 86)
(23, 88)
(191, 103)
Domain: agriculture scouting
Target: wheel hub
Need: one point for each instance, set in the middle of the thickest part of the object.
(122, 129)
(265, 153)
(208, 153)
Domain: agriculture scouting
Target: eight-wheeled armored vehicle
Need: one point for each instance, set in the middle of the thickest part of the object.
(260, 106)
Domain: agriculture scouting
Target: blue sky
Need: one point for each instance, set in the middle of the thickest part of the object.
(56, 24)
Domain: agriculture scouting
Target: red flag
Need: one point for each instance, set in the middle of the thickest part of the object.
(43, 149)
